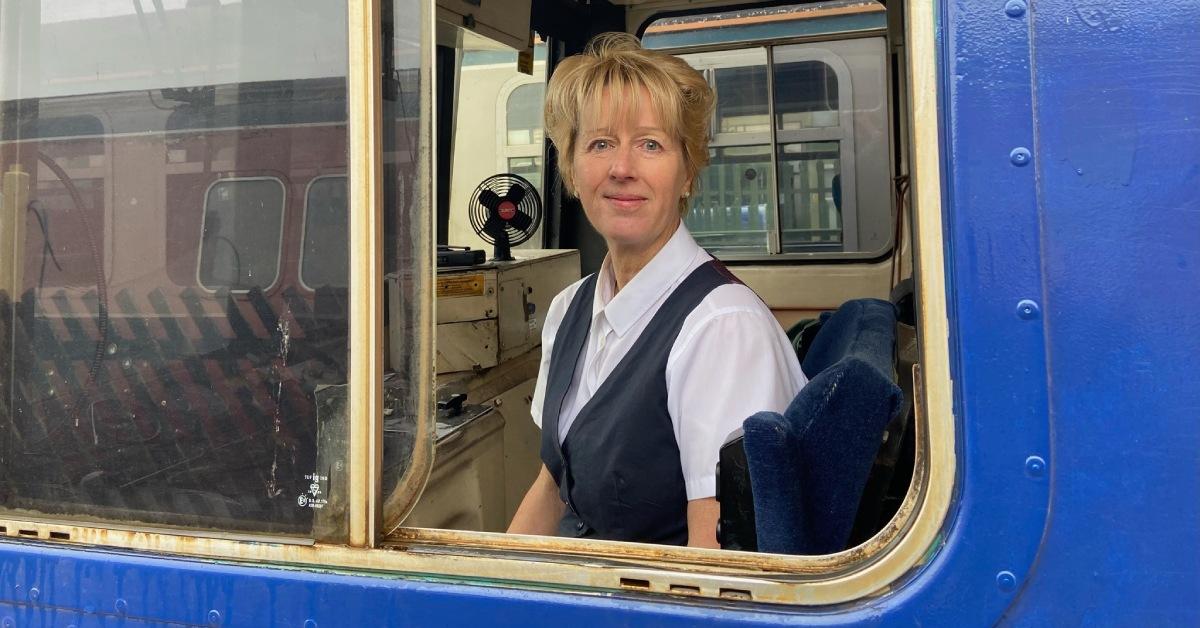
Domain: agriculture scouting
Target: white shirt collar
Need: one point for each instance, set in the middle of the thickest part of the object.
(657, 278)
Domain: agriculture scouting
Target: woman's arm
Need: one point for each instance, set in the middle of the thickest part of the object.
(541, 509)
(702, 515)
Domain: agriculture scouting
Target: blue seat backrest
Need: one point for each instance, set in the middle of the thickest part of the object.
(808, 466)
(865, 328)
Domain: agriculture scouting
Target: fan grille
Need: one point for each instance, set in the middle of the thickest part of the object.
(505, 205)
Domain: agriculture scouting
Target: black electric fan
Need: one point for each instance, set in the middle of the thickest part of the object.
(505, 211)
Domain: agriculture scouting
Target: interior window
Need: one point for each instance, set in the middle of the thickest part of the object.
(733, 210)
(239, 241)
(817, 178)
(742, 106)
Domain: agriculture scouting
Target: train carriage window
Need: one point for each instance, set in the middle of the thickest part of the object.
(524, 120)
(325, 257)
(524, 135)
(240, 237)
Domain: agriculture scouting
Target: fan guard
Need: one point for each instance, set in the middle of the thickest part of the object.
(505, 210)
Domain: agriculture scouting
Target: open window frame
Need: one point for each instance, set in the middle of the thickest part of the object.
(376, 546)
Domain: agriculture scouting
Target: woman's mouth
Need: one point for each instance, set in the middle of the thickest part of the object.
(625, 201)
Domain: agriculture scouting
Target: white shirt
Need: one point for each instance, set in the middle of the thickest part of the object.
(730, 360)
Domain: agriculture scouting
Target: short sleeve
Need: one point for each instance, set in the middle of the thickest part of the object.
(735, 362)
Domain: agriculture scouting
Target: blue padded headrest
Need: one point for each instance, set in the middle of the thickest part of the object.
(865, 328)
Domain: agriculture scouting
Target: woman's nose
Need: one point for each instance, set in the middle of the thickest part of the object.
(622, 166)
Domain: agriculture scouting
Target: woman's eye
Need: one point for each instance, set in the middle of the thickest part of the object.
(653, 145)
(599, 145)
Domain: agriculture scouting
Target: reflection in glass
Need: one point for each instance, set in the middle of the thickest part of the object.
(732, 211)
(162, 360)
(325, 258)
(811, 194)
(239, 240)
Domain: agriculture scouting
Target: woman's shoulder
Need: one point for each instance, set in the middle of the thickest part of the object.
(731, 299)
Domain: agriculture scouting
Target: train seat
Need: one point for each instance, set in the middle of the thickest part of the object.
(808, 467)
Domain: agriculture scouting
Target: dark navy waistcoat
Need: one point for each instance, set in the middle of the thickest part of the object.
(618, 470)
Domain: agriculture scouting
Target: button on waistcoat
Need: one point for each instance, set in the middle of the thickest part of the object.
(618, 470)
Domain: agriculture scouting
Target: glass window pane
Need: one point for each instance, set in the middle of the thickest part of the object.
(163, 150)
(408, 255)
(732, 211)
(239, 241)
(811, 195)
(324, 262)
(524, 119)
(742, 99)
(528, 167)
(806, 95)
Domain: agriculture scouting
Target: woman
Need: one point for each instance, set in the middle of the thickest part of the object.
(649, 365)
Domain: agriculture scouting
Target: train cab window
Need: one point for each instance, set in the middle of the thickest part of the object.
(240, 237)
(204, 385)
(173, 378)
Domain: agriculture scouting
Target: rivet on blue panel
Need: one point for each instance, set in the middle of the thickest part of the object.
(121, 606)
(310, 623)
(34, 593)
(9, 623)
(214, 618)
(1014, 8)
(1020, 156)
(1035, 466)
(1028, 309)
(1006, 581)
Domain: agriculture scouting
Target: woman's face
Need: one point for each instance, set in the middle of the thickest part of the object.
(629, 175)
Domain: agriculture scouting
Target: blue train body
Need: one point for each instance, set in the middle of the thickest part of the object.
(1071, 134)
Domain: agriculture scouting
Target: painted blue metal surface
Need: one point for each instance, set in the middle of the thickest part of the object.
(1072, 203)
(1118, 112)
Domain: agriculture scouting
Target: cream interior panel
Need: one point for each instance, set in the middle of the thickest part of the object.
(797, 292)
(522, 442)
(466, 488)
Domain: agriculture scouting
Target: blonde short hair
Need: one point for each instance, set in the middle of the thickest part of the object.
(617, 64)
